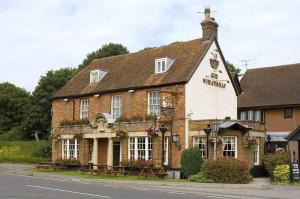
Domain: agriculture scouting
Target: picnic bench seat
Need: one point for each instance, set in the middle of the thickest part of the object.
(116, 170)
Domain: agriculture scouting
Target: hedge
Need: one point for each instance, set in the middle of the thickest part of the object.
(226, 170)
(270, 161)
(191, 161)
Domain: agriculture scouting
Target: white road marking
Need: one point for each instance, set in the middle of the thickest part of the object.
(67, 191)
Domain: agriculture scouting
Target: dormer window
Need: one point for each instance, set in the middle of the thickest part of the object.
(163, 64)
(96, 76)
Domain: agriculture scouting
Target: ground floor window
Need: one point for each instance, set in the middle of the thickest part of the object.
(90, 152)
(166, 150)
(199, 142)
(140, 148)
(70, 148)
(230, 146)
(256, 154)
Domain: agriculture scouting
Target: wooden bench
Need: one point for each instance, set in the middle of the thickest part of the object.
(43, 165)
(116, 170)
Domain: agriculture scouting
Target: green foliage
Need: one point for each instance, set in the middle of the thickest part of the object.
(22, 151)
(199, 178)
(13, 102)
(226, 170)
(106, 50)
(16, 133)
(43, 150)
(270, 161)
(281, 172)
(38, 114)
(191, 161)
(233, 69)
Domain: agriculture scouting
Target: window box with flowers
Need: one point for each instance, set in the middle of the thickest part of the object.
(120, 133)
(74, 122)
(152, 131)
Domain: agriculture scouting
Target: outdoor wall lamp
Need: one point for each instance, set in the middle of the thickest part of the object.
(175, 139)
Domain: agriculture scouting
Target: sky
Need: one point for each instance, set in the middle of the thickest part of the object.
(41, 35)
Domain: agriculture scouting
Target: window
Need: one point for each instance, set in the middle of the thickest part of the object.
(140, 148)
(252, 115)
(116, 106)
(96, 76)
(84, 109)
(163, 64)
(288, 113)
(166, 150)
(243, 115)
(154, 103)
(199, 142)
(256, 154)
(90, 152)
(70, 149)
(230, 146)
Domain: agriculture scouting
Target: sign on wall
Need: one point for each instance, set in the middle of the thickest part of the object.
(213, 78)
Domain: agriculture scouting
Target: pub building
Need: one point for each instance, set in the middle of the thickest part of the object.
(153, 104)
(271, 96)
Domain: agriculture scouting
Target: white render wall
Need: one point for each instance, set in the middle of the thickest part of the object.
(205, 101)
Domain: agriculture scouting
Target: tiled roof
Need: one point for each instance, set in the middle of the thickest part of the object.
(136, 70)
(271, 86)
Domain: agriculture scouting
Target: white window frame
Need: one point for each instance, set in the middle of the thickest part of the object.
(256, 154)
(235, 146)
(161, 65)
(66, 149)
(116, 106)
(133, 151)
(153, 108)
(166, 150)
(84, 108)
(96, 76)
(201, 140)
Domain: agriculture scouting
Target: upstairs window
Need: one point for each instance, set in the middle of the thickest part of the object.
(154, 103)
(84, 109)
(163, 64)
(116, 106)
(288, 113)
(96, 76)
(252, 115)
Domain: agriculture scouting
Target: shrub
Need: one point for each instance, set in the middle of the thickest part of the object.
(281, 172)
(226, 170)
(191, 161)
(199, 178)
(15, 133)
(43, 151)
(270, 161)
(136, 118)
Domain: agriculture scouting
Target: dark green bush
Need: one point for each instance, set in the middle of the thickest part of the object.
(43, 151)
(226, 170)
(270, 161)
(191, 161)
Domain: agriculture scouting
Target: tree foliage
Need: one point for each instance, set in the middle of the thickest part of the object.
(191, 161)
(12, 106)
(233, 69)
(38, 115)
(106, 50)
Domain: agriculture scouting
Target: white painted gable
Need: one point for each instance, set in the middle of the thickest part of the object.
(206, 97)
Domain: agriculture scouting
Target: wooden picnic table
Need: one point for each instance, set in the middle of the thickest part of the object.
(116, 170)
(47, 165)
(153, 171)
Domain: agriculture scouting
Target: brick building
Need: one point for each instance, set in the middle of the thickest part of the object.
(272, 96)
(152, 104)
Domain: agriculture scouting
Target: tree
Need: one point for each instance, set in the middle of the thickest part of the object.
(106, 50)
(13, 101)
(233, 69)
(38, 114)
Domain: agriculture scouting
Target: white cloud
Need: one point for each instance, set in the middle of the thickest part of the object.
(36, 36)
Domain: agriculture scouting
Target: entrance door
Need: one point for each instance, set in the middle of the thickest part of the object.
(116, 154)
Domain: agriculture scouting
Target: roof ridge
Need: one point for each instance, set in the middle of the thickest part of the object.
(274, 66)
(147, 50)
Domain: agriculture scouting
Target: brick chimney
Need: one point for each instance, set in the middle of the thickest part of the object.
(209, 26)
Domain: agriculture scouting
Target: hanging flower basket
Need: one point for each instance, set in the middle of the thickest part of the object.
(250, 140)
(217, 139)
(152, 131)
(120, 133)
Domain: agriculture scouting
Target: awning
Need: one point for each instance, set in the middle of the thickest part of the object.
(277, 136)
(294, 135)
(234, 126)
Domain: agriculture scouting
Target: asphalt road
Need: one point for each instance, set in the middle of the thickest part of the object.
(30, 187)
